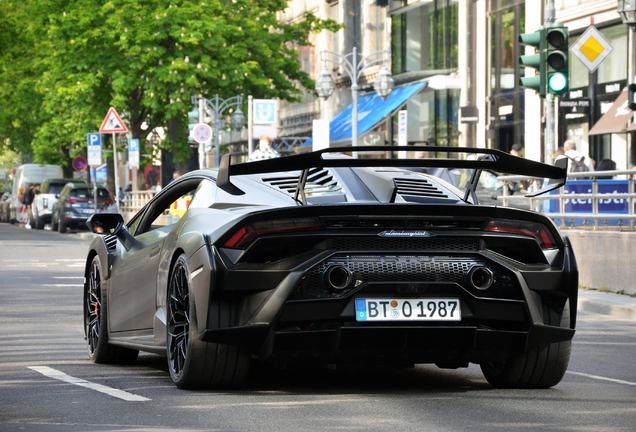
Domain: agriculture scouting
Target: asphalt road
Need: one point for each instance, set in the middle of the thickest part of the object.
(42, 341)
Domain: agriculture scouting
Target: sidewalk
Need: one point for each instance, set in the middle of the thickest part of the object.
(617, 305)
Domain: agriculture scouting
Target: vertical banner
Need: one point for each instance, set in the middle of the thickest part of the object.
(320, 135)
(402, 132)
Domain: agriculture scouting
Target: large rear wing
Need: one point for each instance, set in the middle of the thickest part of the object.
(487, 159)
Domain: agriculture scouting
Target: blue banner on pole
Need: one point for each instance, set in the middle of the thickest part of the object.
(585, 205)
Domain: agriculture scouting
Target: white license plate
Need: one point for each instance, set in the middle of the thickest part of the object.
(88, 211)
(434, 309)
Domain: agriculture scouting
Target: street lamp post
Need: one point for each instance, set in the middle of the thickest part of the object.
(627, 11)
(217, 106)
(353, 65)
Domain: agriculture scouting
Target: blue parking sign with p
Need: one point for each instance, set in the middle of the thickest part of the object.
(133, 145)
(94, 139)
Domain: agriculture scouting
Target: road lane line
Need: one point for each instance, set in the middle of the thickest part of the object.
(603, 378)
(68, 277)
(55, 374)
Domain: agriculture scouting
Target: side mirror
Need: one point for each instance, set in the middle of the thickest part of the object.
(111, 223)
(105, 223)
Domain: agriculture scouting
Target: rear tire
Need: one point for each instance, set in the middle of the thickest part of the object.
(541, 367)
(39, 223)
(96, 322)
(61, 228)
(53, 223)
(194, 364)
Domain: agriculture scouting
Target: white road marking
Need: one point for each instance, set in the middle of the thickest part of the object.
(69, 260)
(61, 285)
(68, 277)
(603, 378)
(55, 374)
(75, 265)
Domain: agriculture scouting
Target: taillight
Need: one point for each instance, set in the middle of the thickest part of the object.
(71, 200)
(254, 229)
(107, 201)
(538, 231)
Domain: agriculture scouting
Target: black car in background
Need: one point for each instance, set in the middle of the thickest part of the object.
(42, 206)
(76, 203)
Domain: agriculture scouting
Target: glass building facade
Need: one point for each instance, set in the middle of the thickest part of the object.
(424, 42)
(505, 98)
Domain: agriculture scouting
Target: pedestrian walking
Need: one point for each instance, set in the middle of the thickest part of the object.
(578, 162)
(265, 149)
(27, 200)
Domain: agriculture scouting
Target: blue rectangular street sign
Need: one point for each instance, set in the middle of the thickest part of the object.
(133, 145)
(94, 139)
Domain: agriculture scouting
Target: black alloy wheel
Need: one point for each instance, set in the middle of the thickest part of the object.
(179, 320)
(195, 364)
(93, 308)
(96, 321)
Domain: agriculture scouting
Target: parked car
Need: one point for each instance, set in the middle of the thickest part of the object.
(76, 203)
(325, 259)
(43, 202)
(5, 213)
(25, 175)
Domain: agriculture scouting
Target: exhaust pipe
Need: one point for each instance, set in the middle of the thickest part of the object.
(337, 277)
(480, 278)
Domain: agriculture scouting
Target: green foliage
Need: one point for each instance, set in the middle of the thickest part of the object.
(62, 64)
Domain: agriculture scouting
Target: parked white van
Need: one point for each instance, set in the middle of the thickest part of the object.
(24, 176)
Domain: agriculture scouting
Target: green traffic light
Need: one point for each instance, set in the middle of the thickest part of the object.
(557, 82)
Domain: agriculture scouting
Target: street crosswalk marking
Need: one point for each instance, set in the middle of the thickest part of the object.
(56, 374)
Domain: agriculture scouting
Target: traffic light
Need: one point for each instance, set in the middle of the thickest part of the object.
(193, 119)
(557, 59)
(536, 61)
(631, 98)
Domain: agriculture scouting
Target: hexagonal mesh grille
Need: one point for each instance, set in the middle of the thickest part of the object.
(422, 269)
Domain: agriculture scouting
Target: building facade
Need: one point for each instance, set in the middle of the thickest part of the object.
(466, 52)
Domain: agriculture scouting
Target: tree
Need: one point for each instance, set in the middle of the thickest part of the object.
(147, 58)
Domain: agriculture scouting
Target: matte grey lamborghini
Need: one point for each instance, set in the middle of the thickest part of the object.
(325, 259)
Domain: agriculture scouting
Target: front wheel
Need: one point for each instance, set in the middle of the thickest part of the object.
(541, 367)
(195, 364)
(96, 321)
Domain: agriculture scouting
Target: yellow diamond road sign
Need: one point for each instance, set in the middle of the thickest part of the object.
(591, 48)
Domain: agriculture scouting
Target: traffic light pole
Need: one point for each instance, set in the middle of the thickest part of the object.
(549, 145)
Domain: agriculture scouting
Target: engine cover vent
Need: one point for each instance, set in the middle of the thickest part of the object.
(319, 181)
(417, 188)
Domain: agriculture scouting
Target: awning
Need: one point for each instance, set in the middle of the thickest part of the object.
(371, 111)
(616, 119)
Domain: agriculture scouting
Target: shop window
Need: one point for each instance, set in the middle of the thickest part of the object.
(614, 67)
(579, 75)
(426, 37)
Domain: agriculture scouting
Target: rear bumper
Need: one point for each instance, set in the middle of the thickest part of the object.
(445, 345)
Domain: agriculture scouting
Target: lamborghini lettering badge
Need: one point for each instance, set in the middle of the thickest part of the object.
(404, 233)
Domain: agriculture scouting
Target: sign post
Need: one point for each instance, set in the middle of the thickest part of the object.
(113, 124)
(402, 132)
(94, 152)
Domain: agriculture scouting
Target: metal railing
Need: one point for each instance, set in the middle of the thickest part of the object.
(132, 202)
(595, 198)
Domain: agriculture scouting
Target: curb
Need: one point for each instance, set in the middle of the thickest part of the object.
(607, 308)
